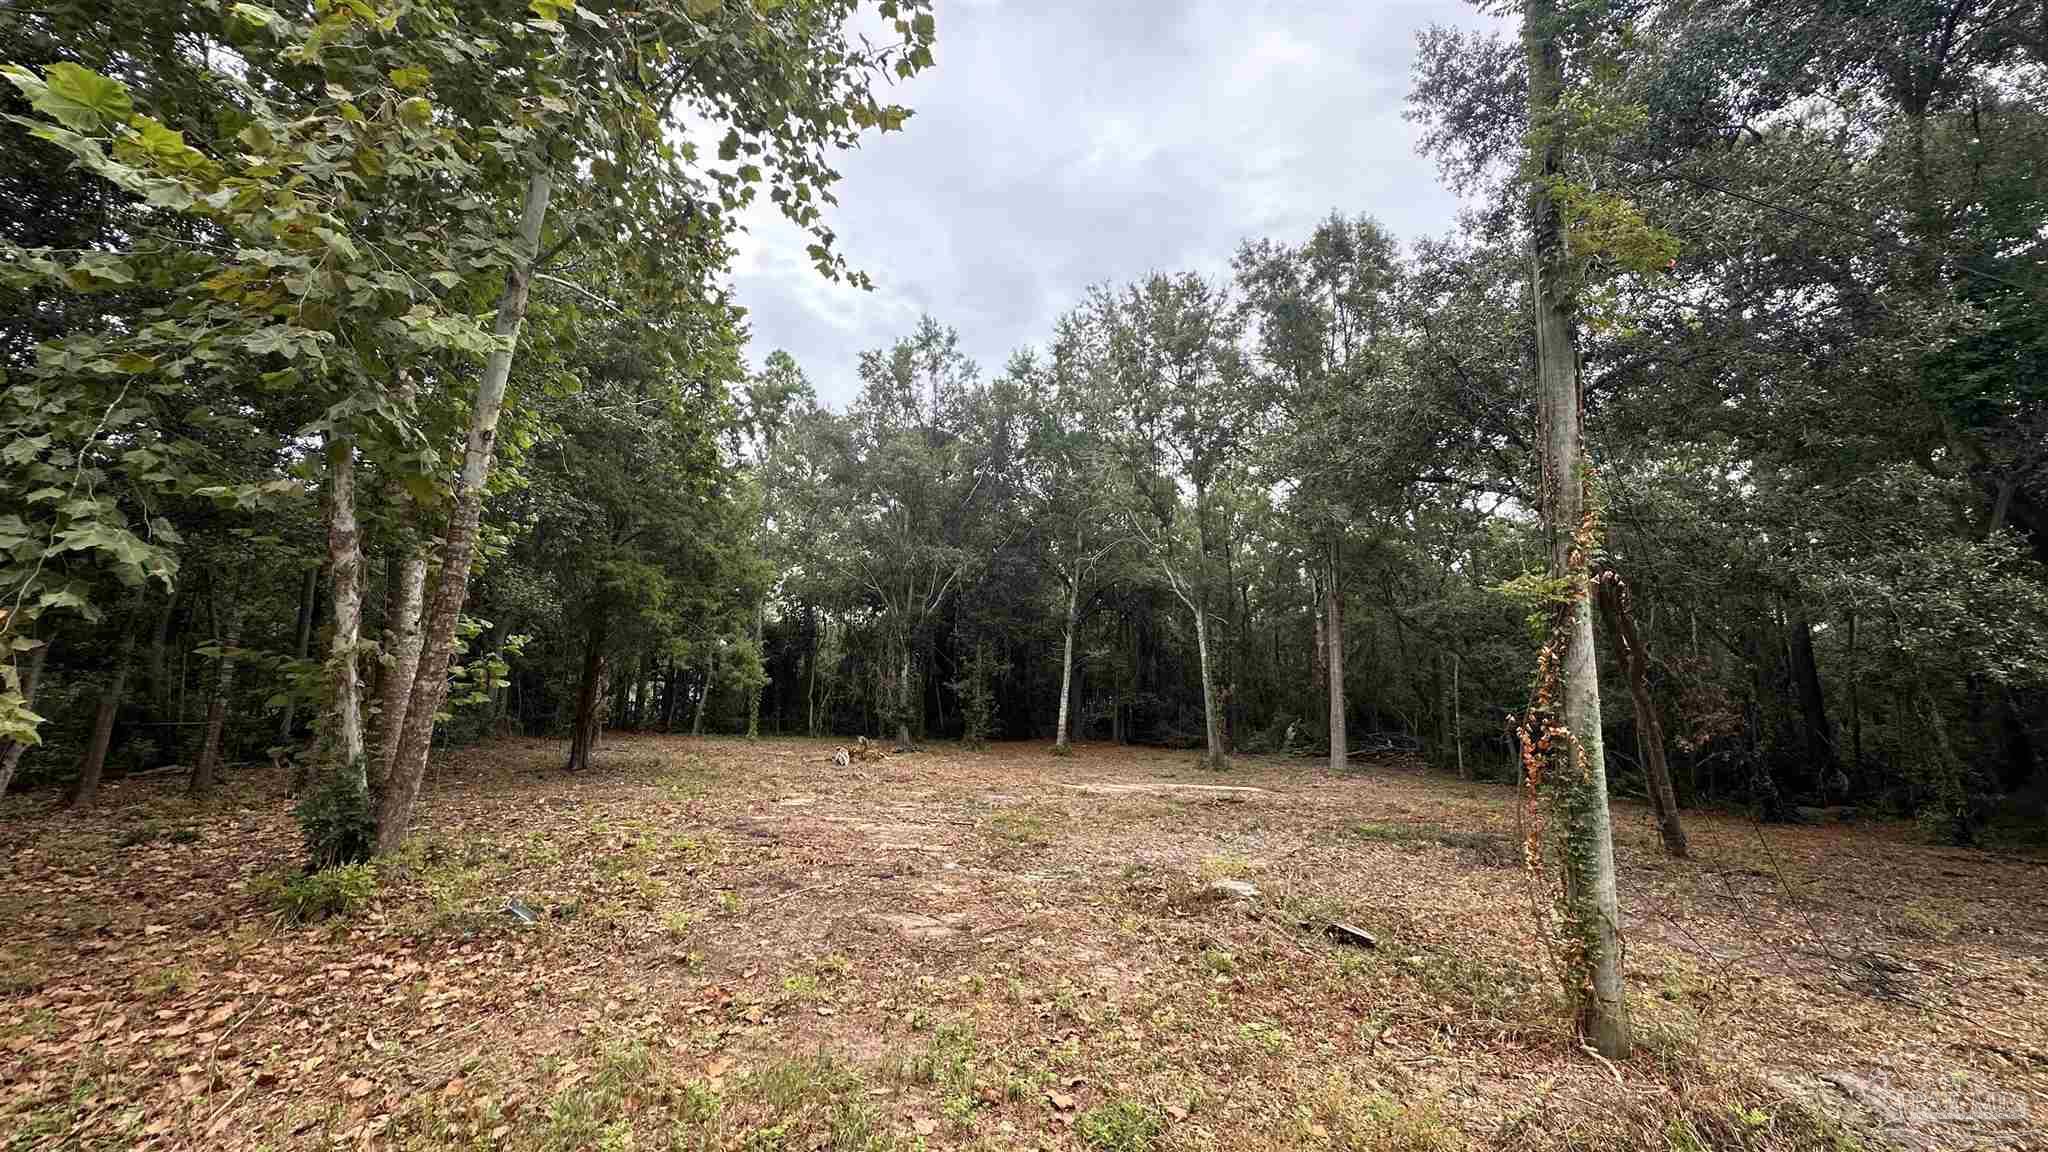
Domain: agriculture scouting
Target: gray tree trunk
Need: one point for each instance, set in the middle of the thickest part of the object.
(760, 653)
(903, 703)
(159, 645)
(1213, 755)
(342, 740)
(704, 696)
(1333, 641)
(86, 792)
(402, 647)
(217, 708)
(1591, 909)
(1635, 666)
(430, 682)
(1060, 738)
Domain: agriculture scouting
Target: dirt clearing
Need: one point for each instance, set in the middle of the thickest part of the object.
(717, 944)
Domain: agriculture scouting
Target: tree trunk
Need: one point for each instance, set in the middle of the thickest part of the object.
(10, 751)
(307, 592)
(1592, 912)
(1635, 665)
(1060, 737)
(159, 683)
(1458, 717)
(1855, 697)
(584, 734)
(704, 694)
(217, 707)
(394, 813)
(401, 639)
(761, 654)
(342, 740)
(1333, 639)
(1820, 742)
(1212, 755)
(903, 697)
(86, 792)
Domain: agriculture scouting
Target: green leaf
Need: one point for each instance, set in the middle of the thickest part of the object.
(699, 9)
(78, 98)
(410, 77)
(416, 114)
(258, 138)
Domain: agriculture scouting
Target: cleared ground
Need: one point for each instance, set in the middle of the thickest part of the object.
(717, 944)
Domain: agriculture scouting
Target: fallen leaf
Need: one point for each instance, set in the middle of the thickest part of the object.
(925, 1127)
(1060, 1100)
(358, 1088)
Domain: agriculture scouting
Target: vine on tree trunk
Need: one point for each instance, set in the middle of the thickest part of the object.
(1554, 765)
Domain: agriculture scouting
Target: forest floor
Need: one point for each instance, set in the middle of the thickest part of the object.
(738, 945)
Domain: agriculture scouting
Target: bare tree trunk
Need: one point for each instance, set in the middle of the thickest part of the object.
(402, 647)
(405, 591)
(1458, 717)
(416, 738)
(1813, 707)
(217, 707)
(342, 741)
(1635, 666)
(704, 695)
(307, 592)
(584, 734)
(1213, 755)
(1333, 639)
(11, 751)
(159, 684)
(86, 792)
(1855, 698)
(1060, 738)
(903, 702)
(1591, 908)
(761, 654)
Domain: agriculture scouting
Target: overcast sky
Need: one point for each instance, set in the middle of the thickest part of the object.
(1063, 143)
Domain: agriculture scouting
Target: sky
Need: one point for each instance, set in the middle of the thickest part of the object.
(1059, 144)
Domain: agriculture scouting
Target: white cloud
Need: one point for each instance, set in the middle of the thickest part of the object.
(1063, 143)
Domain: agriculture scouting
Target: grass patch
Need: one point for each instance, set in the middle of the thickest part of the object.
(1021, 826)
(948, 1063)
(305, 899)
(1121, 1124)
(803, 1104)
(1225, 866)
(1923, 919)
(1485, 849)
(1342, 1117)
(164, 983)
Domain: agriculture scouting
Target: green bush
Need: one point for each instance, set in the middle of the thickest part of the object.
(305, 898)
(335, 816)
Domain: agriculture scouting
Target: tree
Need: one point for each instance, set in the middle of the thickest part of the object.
(1325, 314)
(1180, 393)
(1577, 768)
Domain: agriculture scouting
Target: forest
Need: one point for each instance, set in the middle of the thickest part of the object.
(373, 395)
